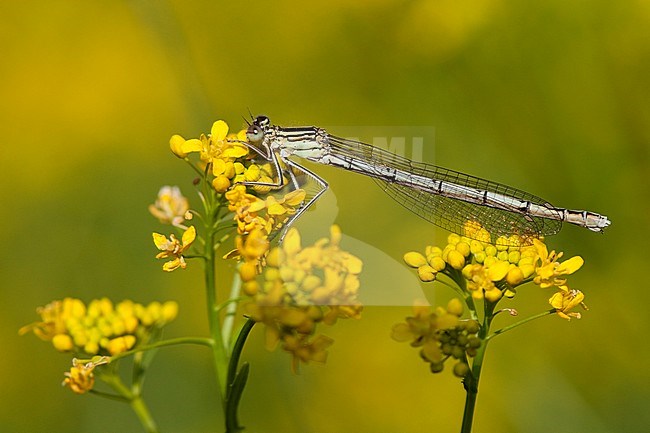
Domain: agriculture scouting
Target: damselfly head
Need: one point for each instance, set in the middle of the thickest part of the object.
(255, 132)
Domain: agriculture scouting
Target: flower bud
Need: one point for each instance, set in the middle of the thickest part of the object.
(455, 307)
(426, 273)
(221, 183)
(493, 295)
(62, 342)
(453, 239)
(248, 271)
(414, 260)
(437, 367)
(461, 369)
(514, 276)
(463, 248)
(120, 344)
(169, 311)
(456, 259)
(437, 263)
(176, 146)
(472, 327)
(250, 288)
(514, 256)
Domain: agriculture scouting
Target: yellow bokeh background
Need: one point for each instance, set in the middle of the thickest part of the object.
(552, 97)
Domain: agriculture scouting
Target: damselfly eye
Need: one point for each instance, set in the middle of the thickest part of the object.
(254, 134)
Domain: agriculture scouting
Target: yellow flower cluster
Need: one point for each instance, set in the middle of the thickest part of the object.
(302, 287)
(441, 335)
(494, 270)
(225, 156)
(252, 212)
(100, 328)
(256, 220)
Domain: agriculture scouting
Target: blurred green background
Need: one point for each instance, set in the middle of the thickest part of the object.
(553, 97)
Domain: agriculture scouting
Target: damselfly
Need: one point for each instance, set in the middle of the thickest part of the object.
(446, 198)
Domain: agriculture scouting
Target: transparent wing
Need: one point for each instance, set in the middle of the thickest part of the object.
(445, 212)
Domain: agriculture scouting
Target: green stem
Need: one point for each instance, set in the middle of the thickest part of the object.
(219, 350)
(135, 401)
(171, 342)
(141, 410)
(461, 289)
(521, 322)
(108, 395)
(471, 387)
(471, 380)
(231, 310)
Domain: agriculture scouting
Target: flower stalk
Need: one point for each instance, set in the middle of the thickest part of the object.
(491, 272)
(218, 349)
(239, 201)
(134, 398)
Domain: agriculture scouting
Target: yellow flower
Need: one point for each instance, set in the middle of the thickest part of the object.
(303, 286)
(245, 206)
(172, 247)
(254, 229)
(550, 271)
(238, 197)
(282, 321)
(254, 246)
(171, 207)
(566, 300)
(287, 204)
(481, 279)
(305, 350)
(54, 317)
(336, 269)
(80, 379)
(217, 149)
(440, 333)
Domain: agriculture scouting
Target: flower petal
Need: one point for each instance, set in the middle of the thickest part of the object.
(291, 244)
(160, 241)
(188, 236)
(219, 130)
(276, 209)
(542, 251)
(571, 265)
(498, 270)
(193, 145)
(235, 152)
(294, 198)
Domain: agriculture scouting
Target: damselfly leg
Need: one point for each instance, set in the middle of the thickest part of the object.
(291, 169)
